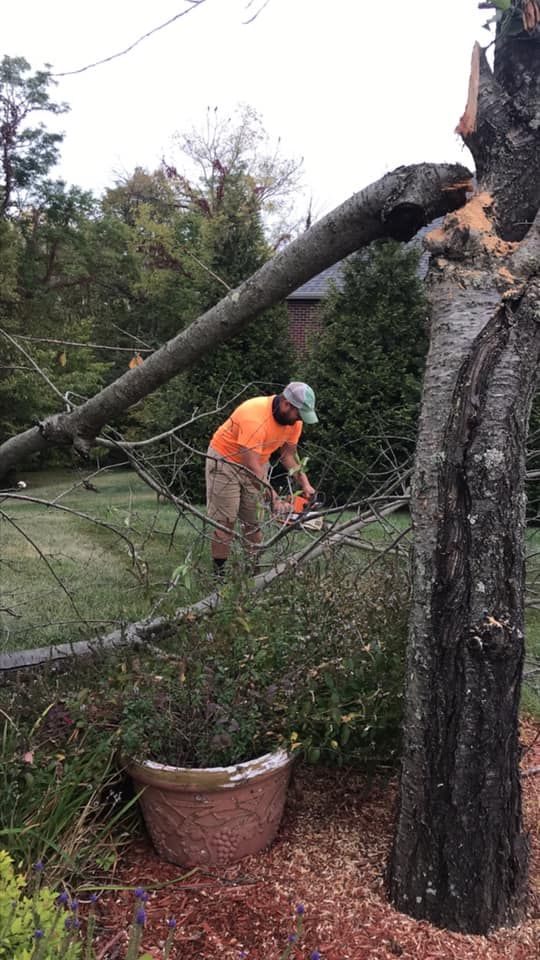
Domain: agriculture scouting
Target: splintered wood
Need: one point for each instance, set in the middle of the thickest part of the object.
(329, 857)
(467, 123)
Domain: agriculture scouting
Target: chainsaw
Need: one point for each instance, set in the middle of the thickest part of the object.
(304, 512)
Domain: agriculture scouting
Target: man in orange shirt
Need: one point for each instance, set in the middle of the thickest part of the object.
(237, 462)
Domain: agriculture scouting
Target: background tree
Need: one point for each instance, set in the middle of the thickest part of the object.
(44, 255)
(224, 243)
(374, 339)
(28, 152)
(396, 205)
(233, 145)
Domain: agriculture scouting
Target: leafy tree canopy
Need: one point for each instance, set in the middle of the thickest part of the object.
(27, 151)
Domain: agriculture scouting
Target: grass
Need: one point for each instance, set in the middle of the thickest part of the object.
(64, 578)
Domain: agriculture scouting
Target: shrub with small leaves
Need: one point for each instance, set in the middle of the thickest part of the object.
(316, 667)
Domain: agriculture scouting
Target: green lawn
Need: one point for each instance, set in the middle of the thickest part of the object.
(64, 578)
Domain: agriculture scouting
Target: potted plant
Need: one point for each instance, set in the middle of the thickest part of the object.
(314, 670)
(203, 752)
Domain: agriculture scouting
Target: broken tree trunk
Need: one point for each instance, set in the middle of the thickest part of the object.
(459, 857)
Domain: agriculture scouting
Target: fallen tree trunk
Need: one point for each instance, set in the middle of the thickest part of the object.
(395, 206)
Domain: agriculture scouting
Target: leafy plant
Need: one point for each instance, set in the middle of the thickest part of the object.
(316, 667)
(58, 779)
(208, 705)
(341, 698)
(30, 926)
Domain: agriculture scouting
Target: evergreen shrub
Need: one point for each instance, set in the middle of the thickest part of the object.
(366, 369)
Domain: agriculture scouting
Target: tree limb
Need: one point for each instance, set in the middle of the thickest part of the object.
(395, 206)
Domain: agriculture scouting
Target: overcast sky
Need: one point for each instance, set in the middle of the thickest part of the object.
(354, 87)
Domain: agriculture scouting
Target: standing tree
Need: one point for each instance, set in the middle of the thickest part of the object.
(460, 852)
(28, 152)
(230, 146)
(220, 240)
(44, 254)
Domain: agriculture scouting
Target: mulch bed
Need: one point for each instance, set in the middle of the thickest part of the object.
(329, 857)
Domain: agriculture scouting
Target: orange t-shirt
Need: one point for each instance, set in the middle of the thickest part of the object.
(252, 426)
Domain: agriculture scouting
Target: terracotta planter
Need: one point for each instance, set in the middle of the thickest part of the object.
(216, 815)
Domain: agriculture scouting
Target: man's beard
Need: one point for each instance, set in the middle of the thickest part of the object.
(278, 416)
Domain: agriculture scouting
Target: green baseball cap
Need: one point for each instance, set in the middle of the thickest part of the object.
(302, 397)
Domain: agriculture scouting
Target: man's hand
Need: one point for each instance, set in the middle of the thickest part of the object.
(280, 506)
(290, 461)
(307, 489)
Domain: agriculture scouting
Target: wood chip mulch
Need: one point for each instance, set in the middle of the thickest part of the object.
(329, 856)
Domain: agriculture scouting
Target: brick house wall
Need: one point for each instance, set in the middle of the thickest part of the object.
(303, 306)
(304, 322)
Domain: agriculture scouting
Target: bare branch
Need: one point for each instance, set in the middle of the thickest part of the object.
(256, 14)
(35, 366)
(114, 56)
(75, 343)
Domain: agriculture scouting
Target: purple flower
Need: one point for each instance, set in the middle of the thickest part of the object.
(74, 905)
(293, 937)
(315, 955)
(76, 924)
(38, 866)
(94, 898)
(62, 899)
(68, 923)
(171, 923)
(140, 917)
(38, 934)
(140, 894)
(300, 910)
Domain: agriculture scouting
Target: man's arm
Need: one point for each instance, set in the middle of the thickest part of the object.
(252, 461)
(289, 459)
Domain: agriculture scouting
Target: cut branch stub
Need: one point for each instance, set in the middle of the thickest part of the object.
(405, 212)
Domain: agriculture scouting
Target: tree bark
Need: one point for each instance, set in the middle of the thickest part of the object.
(395, 206)
(459, 857)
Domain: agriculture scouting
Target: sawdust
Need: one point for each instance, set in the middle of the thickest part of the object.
(474, 221)
(329, 857)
